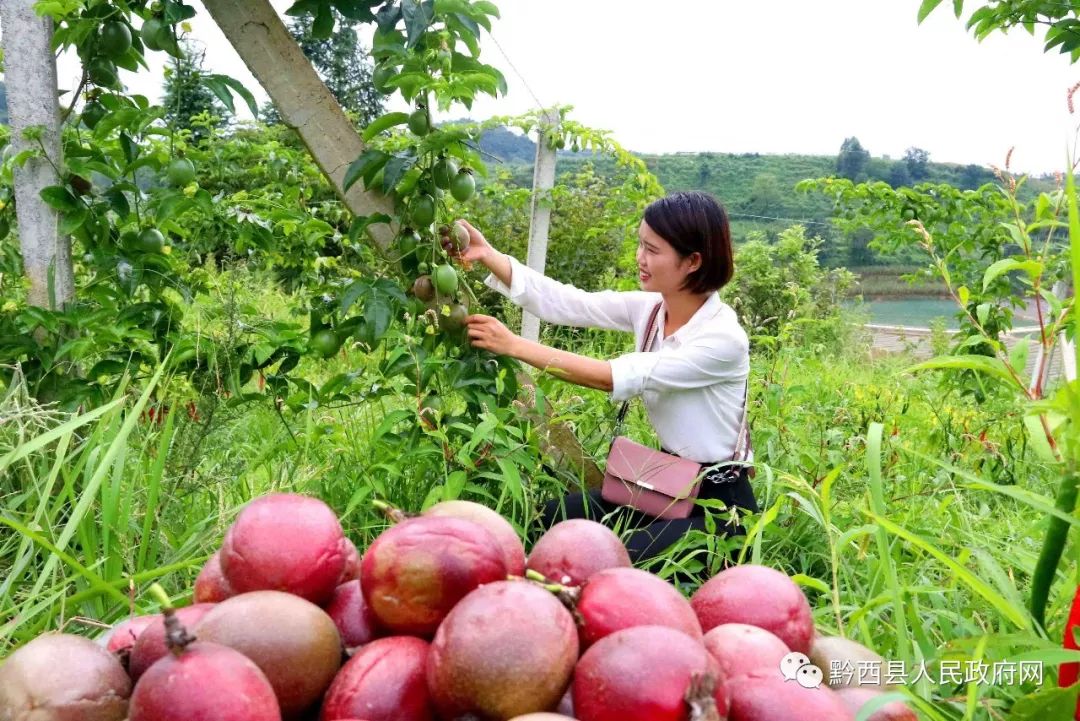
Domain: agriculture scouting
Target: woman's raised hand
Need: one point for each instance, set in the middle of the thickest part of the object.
(478, 248)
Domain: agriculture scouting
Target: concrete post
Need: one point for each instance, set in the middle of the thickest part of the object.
(540, 223)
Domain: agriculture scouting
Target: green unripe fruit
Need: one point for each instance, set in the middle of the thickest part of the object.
(420, 122)
(325, 342)
(444, 172)
(446, 279)
(150, 32)
(92, 114)
(423, 211)
(114, 39)
(423, 268)
(381, 77)
(408, 242)
(102, 71)
(463, 186)
(181, 172)
(151, 240)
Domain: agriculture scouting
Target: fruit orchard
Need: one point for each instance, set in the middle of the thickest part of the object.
(251, 468)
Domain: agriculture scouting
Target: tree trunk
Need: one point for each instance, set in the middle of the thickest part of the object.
(303, 101)
(32, 101)
(277, 62)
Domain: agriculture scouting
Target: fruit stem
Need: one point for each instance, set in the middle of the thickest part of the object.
(699, 695)
(395, 515)
(177, 637)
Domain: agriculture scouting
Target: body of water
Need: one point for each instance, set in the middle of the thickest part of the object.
(916, 312)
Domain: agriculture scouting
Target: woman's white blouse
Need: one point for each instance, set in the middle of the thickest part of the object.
(691, 382)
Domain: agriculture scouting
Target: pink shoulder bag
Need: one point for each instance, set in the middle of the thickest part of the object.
(657, 483)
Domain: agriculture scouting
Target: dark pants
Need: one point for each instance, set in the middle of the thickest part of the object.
(652, 535)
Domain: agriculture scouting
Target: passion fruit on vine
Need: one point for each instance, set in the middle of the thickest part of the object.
(381, 77)
(114, 38)
(325, 342)
(453, 321)
(423, 288)
(420, 121)
(151, 32)
(150, 240)
(463, 185)
(408, 242)
(445, 170)
(180, 172)
(422, 212)
(92, 114)
(446, 279)
(102, 72)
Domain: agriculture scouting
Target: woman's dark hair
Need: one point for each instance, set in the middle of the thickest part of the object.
(694, 222)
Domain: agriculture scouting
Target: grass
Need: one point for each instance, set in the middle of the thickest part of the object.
(910, 515)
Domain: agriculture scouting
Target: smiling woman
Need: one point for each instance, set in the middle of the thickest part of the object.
(690, 372)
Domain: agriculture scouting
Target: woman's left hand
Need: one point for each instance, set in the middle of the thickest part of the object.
(490, 334)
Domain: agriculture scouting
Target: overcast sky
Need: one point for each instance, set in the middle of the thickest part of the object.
(788, 76)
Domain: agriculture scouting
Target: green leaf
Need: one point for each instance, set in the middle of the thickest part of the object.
(366, 166)
(980, 363)
(221, 85)
(1074, 236)
(982, 312)
(218, 87)
(418, 15)
(958, 7)
(1018, 356)
(73, 220)
(359, 289)
(377, 315)
(455, 484)
(395, 168)
(385, 122)
(818, 585)
(1032, 267)
(927, 7)
(358, 10)
(486, 7)
(1048, 702)
(57, 196)
(323, 27)
(964, 294)
(976, 584)
(130, 148)
(387, 17)
(304, 7)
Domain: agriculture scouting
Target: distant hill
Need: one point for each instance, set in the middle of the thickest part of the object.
(758, 190)
(508, 146)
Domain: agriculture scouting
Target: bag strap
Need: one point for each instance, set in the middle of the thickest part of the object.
(743, 445)
(646, 344)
